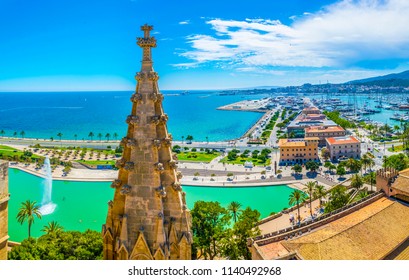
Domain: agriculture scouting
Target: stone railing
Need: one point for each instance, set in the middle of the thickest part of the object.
(269, 218)
(292, 208)
(305, 227)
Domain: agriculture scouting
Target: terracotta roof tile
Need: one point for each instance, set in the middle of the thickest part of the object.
(312, 129)
(369, 233)
(342, 140)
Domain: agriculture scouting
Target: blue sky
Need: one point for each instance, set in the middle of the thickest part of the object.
(65, 45)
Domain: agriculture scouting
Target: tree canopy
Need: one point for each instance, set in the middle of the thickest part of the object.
(214, 234)
(398, 162)
(339, 197)
(60, 245)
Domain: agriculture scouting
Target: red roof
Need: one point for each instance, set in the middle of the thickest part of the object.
(342, 140)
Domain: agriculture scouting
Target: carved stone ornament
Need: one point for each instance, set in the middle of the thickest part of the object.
(167, 141)
(129, 166)
(164, 118)
(161, 192)
(153, 76)
(131, 143)
(116, 184)
(125, 190)
(179, 175)
(153, 97)
(157, 143)
(139, 76)
(177, 186)
(120, 163)
(136, 97)
(160, 97)
(146, 42)
(155, 119)
(159, 167)
(132, 120)
(172, 164)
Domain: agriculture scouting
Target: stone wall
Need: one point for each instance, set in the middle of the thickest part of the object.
(4, 197)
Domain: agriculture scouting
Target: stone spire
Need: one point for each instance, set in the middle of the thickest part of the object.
(148, 217)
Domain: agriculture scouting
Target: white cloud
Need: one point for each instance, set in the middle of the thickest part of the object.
(339, 35)
(184, 22)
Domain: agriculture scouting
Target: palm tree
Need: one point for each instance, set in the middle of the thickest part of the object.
(370, 163)
(362, 194)
(234, 209)
(189, 139)
(15, 133)
(99, 136)
(370, 179)
(22, 133)
(2, 132)
(52, 228)
(59, 134)
(183, 137)
(356, 182)
(107, 136)
(28, 211)
(75, 137)
(364, 162)
(207, 139)
(297, 197)
(115, 135)
(309, 188)
(319, 192)
(91, 134)
(353, 165)
(396, 128)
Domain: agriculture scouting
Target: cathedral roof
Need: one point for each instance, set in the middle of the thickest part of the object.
(370, 233)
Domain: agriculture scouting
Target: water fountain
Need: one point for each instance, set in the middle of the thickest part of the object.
(47, 206)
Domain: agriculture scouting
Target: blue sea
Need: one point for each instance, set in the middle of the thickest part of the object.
(45, 114)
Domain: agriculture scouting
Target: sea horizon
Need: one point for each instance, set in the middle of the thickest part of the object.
(42, 115)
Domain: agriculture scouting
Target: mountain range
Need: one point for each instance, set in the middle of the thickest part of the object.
(395, 79)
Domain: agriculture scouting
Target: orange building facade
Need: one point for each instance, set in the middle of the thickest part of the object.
(323, 132)
(298, 150)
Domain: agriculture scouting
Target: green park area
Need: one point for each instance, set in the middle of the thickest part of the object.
(94, 163)
(10, 153)
(396, 149)
(197, 156)
(256, 157)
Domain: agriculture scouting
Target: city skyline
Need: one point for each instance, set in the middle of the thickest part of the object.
(71, 46)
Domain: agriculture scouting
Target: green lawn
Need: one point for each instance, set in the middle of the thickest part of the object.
(97, 162)
(6, 148)
(398, 148)
(6, 151)
(197, 156)
(242, 160)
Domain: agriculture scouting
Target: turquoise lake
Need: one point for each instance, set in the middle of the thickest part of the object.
(83, 205)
